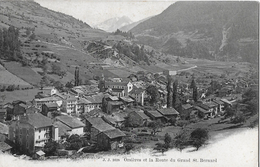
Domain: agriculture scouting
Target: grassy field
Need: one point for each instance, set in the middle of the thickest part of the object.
(25, 95)
(25, 73)
(7, 78)
(122, 73)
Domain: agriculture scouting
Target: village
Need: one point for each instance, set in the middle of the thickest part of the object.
(116, 115)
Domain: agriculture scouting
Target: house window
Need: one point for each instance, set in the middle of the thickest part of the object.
(39, 137)
(39, 130)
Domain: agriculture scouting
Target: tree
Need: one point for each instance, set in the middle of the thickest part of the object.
(249, 94)
(44, 81)
(104, 105)
(181, 140)
(169, 92)
(76, 76)
(58, 85)
(172, 121)
(193, 83)
(174, 93)
(194, 90)
(44, 64)
(56, 69)
(239, 118)
(230, 111)
(33, 36)
(160, 147)
(75, 142)
(252, 106)
(199, 137)
(155, 126)
(153, 93)
(195, 94)
(50, 148)
(28, 32)
(69, 84)
(101, 85)
(128, 147)
(167, 140)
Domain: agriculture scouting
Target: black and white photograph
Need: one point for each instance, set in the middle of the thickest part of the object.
(129, 83)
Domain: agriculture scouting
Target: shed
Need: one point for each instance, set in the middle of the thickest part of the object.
(155, 115)
(110, 139)
(137, 118)
(168, 112)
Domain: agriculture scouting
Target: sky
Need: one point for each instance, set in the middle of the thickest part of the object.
(94, 12)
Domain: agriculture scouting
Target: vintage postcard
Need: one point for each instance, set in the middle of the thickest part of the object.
(129, 83)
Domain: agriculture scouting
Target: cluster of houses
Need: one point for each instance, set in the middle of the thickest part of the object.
(54, 115)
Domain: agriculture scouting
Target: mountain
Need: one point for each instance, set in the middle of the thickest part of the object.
(132, 25)
(111, 25)
(46, 38)
(213, 30)
(41, 47)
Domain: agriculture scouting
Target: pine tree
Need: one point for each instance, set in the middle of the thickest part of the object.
(195, 94)
(169, 93)
(174, 93)
(76, 76)
(194, 90)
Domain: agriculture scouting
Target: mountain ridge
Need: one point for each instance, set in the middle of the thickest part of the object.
(204, 22)
(112, 24)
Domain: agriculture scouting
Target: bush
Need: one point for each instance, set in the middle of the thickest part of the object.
(239, 119)
(10, 88)
(50, 148)
(254, 123)
(128, 147)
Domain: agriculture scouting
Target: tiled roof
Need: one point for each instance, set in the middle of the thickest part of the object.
(40, 153)
(116, 83)
(142, 114)
(70, 121)
(99, 124)
(51, 105)
(127, 99)
(95, 98)
(201, 109)
(38, 120)
(114, 133)
(4, 129)
(4, 146)
(47, 99)
(168, 111)
(18, 102)
(63, 129)
(136, 90)
(186, 106)
(226, 101)
(204, 106)
(218, 102)
(154, 113)
(114, 98)
(32, 110)
(211, 104)
(115, 103)
(48, 88)
(117, 90)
